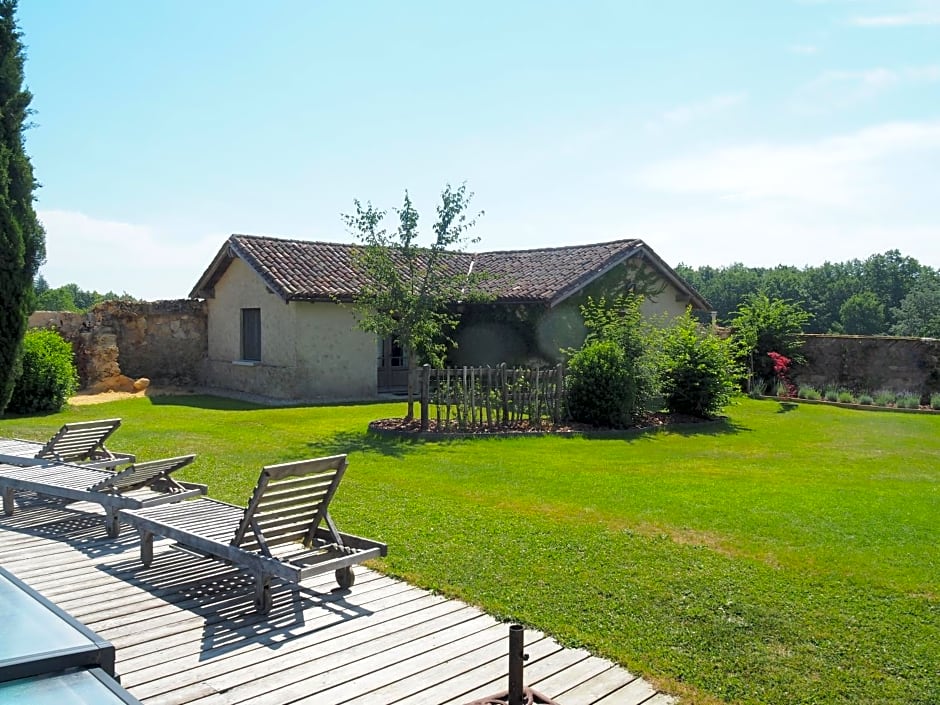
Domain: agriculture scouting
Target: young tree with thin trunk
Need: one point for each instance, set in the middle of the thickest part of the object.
(22, 240)
(413, 289)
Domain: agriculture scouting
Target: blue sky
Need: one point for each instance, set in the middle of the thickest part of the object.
(764, 132)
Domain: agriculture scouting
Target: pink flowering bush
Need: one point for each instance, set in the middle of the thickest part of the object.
(781, 369)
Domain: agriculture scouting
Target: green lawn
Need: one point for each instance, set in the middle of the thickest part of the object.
(778, 557)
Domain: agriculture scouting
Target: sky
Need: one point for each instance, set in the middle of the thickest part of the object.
(764, 132)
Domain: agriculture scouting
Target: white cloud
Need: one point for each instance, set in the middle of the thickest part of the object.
(692, 112)
(143, 261)
(836, 198)
(839, 89)
(907, 19)
(842, 170)
(759, 235)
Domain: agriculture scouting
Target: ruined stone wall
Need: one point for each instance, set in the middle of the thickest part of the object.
(165, 341)
(865, 364)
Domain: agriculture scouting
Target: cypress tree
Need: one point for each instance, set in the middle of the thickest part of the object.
(22, 239)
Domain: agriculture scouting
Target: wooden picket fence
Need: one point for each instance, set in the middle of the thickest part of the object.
(490, 398)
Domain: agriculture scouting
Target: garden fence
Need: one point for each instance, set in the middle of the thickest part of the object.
(482, 398)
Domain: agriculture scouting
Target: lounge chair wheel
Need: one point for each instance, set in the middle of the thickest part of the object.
(345, 577)
(266, 601)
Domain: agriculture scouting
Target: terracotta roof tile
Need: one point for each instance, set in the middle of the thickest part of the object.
(313, 271)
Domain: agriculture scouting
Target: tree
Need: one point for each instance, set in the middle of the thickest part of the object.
(724, 288)
(412, 290)
(862, 314)
(60, 299)
(71, 298)
(22, 240)
(919, 312)
(762, 325)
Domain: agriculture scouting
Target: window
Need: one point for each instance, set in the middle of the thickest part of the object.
(251, 334)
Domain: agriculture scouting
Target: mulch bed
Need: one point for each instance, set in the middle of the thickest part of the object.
(412, 427)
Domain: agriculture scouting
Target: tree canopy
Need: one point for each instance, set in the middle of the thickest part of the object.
(412, 288)
(856, 296)
(22, 240)
(70, 297)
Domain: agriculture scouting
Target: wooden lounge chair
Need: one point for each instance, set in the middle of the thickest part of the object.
(285, 531)
(139, 485)
(81, 442)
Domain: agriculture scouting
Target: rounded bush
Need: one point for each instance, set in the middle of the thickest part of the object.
(47, 376)
(600, 389)
(698, 372)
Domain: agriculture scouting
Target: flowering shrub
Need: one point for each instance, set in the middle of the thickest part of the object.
(781, 367)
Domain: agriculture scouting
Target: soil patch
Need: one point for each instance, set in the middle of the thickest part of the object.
(412, 427)
(85, 398)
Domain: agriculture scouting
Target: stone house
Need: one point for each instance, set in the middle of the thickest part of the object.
(280, 319)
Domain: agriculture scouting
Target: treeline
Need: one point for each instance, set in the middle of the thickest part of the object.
(69, 297)
(886, 294)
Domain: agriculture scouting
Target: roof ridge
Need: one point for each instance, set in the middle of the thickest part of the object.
(622, 241)
(296, 240)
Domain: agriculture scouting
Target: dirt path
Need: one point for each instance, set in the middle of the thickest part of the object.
(85, 398)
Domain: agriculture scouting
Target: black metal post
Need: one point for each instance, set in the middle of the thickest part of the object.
(516, 657)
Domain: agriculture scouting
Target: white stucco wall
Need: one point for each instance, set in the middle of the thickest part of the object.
(308, 350)
(334, 358)
(669, 302)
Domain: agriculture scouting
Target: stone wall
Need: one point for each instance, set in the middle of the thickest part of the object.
(862, 363)
(165, 341)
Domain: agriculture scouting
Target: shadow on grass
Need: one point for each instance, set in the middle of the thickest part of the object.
(350, 442)
(787, 406)
(200, 401)
(225, 403)
(718, 427)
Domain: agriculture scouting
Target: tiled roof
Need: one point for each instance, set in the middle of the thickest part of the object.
(299, 270)
(550, 273)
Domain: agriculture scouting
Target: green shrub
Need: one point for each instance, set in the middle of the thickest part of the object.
(759, 387)
(598, 394)
(908, 400)
(846, 397)
(935, 402)
(47, 377)
(808, 392)
(831, 394)
(698, 374)
(600, 390)
(883, 397)
(865, 400)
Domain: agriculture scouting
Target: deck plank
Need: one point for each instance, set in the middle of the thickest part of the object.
(186, 633)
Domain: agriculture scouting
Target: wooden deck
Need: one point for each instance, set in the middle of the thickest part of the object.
(185, 631)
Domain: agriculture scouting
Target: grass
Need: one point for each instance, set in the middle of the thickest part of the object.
(789, 554)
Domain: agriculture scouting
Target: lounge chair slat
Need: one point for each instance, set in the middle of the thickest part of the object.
(302, 483)
(274, 508)
(276, 492)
